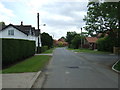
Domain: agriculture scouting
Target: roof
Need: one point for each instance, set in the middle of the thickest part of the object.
(14, 27)
(24, 28)
(91, 39)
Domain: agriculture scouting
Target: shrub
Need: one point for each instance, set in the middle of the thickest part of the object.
(14, 50)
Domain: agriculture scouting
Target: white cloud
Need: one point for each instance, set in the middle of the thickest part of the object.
(59, 15)
(6, 14)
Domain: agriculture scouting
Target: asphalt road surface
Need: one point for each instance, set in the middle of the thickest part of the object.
(78, 70)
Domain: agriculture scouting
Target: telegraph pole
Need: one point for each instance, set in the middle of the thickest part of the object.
(38, 48)
(81, 37)
(118, 32)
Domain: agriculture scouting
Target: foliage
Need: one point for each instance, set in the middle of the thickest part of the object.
(105, 44)
(117, 66)
(14, 50)
(32, 64)
(101, 17)
(2, 23)
(70, 36)
(76, 41)
(44, 48)
(63, 38)
(60, 44)
(47, 40)
(49, 51)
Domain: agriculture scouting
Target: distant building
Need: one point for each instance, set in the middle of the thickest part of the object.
(90, 42)
(60, 41)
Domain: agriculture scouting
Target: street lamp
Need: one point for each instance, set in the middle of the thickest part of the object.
(81, 37)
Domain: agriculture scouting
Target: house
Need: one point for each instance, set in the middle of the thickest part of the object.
(90, 42)
(60, 41)
(26, 32)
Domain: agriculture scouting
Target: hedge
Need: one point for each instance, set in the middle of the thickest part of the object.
(14, 50)
(105, 44)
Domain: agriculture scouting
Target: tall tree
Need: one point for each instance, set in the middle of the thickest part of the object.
(101, 17)
(76, 41)
(47, 40)
(70, 36)
(2, 25)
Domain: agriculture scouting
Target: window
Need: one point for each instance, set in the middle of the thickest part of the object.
(10, 32)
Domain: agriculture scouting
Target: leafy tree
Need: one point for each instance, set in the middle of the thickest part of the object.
(76, 41)
(2, 24)
(70, 36)
(47, 40)
(101, 17)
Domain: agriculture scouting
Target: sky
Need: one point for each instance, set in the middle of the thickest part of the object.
(60, 16)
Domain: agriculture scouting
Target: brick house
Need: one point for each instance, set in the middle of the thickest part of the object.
(90, 42)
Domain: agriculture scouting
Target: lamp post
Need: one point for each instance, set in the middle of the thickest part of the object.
(118, 31)
(81, 37)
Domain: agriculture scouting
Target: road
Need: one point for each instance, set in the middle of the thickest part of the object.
(78, 70)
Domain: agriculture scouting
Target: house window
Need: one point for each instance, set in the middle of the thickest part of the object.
(10, 32)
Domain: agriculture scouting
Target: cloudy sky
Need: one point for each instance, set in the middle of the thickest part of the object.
(59, 16)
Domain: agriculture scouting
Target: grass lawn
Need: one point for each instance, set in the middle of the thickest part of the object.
(89, 51)
(117, 66)
(49, 51)
(32, 64)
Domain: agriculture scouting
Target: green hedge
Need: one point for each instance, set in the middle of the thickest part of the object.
(105, 44)
(14, 50)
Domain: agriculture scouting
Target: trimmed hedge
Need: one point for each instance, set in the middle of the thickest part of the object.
(14, 50)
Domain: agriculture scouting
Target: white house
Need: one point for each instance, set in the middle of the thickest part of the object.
(26, 32)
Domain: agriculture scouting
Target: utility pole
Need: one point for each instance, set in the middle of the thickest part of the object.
(118, 32)
(39, 38)
(81, 37)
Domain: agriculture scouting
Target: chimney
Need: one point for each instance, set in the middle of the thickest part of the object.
(21, 23)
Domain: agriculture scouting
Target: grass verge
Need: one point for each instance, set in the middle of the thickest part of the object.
(89, 51)
(32, 64)
(117, 66)
(49, 51)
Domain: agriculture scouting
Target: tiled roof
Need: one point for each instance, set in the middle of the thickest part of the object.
(91, 39)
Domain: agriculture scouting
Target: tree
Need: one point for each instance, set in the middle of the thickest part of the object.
(76, 41)
(70, 36)
(101, 17)
(2, 24)
(47, 40)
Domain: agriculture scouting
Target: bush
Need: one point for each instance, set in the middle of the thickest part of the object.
(44, 48)
(14, 50)
(105, 44)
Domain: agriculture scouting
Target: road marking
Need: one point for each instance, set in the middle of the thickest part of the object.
(111, 54)
(67, 72)
(76, 52)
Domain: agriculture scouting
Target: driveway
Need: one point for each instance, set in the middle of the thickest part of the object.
(78, 70)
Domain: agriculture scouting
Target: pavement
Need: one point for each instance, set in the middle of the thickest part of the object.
(78, 70)
(45, 54)
(19, 80)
